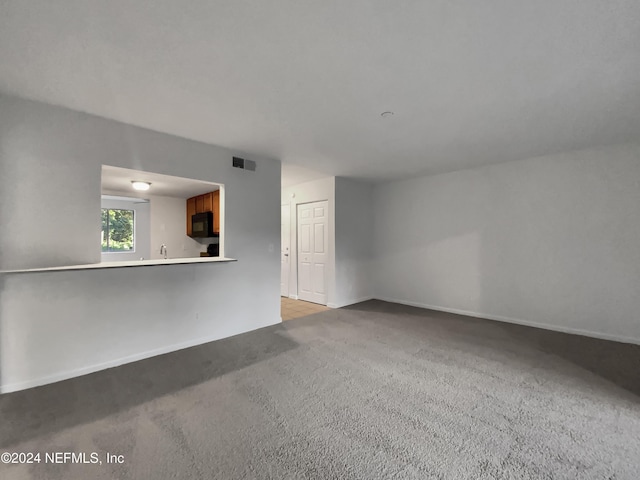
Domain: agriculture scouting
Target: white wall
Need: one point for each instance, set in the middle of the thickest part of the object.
(551, 241)
(353, 242)
(169, 227)
(55, 325)
(142, 235)
(313, 191)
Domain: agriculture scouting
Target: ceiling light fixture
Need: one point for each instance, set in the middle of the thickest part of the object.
(137, 185)
(386, 114)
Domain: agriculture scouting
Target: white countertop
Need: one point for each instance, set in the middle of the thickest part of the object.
(135, 263)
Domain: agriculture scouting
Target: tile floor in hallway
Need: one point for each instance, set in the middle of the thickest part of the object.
(291, 309)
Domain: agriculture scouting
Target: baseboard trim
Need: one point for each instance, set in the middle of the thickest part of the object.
(67, 374)
(293, 297)
(349, 302)
(518, 321)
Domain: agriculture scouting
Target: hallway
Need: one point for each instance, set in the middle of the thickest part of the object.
(291, 309)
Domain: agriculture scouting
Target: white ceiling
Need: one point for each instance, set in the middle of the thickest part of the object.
(118, 180)
(470, 82)
(294, 175)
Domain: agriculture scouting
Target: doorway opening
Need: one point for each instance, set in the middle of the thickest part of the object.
(303, 258)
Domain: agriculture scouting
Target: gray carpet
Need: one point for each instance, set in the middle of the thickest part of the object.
(376, 390)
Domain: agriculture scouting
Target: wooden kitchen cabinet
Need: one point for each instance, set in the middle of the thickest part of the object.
(200, 204)
(191, 210)
(208, 202)
(215, 200)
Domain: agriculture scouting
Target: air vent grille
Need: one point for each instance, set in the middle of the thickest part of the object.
(244, 164)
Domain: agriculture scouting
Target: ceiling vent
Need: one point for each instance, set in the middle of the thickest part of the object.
(244, 164)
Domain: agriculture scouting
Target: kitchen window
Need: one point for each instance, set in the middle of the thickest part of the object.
(118, 230)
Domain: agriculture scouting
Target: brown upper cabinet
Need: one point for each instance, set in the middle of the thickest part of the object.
(209, 202)
(191, 211)
(200, 204)
(215, 200)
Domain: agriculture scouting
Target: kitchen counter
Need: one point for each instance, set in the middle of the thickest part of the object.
(126, 264)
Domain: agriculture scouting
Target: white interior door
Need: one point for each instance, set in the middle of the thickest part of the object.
(285, 243)
(313, 242)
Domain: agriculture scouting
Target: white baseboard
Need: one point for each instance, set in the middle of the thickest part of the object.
(349, 302)
(293, 297)
(518, 321)
(78, 372)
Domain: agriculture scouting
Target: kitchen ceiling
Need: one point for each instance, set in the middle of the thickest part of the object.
(469, 83)
(116, 180)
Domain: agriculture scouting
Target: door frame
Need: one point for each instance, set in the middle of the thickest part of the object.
(288, 228)
(315, 191)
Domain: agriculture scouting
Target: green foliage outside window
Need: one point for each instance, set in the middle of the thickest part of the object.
(117, 230)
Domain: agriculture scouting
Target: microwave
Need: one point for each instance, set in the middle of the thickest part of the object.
(202, 225)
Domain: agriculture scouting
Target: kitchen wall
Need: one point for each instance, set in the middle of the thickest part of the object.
(56, 325)
(550, 242)
(168, 226)
(165, 219)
